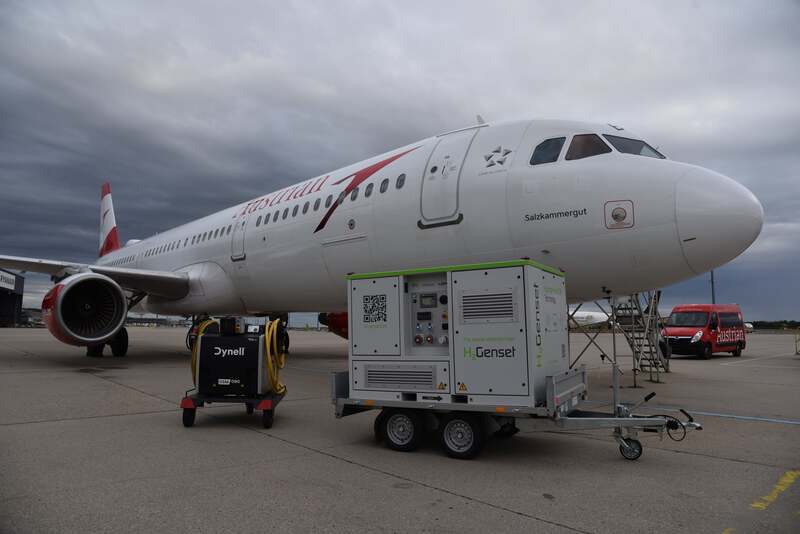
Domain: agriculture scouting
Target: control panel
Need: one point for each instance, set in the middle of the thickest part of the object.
(428, 331)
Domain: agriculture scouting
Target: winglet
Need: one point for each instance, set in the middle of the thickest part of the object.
(109, 237)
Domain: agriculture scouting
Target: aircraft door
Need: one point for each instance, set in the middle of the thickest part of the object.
(237, 239)
(439, 193)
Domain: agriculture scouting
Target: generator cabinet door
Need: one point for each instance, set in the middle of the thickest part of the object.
(490, 356)
(375, 317)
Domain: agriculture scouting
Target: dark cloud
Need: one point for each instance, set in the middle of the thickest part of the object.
(189, 109)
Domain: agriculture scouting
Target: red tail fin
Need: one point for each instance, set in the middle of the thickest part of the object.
(109, 238)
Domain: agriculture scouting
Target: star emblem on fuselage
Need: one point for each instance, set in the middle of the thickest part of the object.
(497, 156)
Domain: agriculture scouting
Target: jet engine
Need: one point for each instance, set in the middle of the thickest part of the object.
(84, 309)
(336, 322)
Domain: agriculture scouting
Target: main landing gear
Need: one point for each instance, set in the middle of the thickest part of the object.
(118, 344)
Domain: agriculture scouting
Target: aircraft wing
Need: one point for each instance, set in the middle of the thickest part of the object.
(160, 283)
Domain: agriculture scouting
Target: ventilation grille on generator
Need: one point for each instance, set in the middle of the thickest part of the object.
(401, 377)
(488, 307)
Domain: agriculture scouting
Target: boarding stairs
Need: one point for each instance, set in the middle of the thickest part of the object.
(638, 319)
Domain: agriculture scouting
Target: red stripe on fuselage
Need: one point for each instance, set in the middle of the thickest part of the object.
(358, 178)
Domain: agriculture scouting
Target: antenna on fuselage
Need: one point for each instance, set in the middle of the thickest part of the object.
(480, 119)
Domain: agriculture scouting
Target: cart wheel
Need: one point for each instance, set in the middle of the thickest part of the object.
(188, 416)
(632, 451)
(267, 418)
(379, 426)
(249, 408)
(401, 429)
(461, 435)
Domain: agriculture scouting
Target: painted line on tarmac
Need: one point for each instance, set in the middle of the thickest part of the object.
(784, 483)
(744, 363)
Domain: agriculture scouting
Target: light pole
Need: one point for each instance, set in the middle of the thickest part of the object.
(713, 290)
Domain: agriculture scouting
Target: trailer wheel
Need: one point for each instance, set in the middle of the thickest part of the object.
(379, 426)
(188, 416)
(267, 418)
(401, 429)
(632, 451)
(461, 435)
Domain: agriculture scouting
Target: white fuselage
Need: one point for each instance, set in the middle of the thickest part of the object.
(467, 196)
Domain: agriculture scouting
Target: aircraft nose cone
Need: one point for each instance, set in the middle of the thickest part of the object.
(717, 218)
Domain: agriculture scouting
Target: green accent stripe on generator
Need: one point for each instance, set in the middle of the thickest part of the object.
(453, 268)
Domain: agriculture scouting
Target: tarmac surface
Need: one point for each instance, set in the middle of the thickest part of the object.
(97, 445)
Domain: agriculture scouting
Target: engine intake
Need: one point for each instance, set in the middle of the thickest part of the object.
(85, 309)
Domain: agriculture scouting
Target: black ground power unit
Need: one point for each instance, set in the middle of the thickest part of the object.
(231, 365)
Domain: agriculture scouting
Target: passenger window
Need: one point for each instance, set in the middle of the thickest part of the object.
(328, 201)
(305, 207)
(229, 228)
(400, 181)
(186, 242)
(368, 190)
(586, 145)
(258, 221)
(384, 185)
(547, 151)
(216, 233)
(266, 219)
(275, 216)
(294, 211)
(285, 213)
(316, 204)
(340, 199)
(354, 194)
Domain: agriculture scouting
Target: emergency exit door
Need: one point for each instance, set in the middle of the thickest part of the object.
(237, 239)
(439, 196)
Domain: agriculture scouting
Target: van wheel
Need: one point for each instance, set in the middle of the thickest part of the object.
(738, 352)
(706, 352)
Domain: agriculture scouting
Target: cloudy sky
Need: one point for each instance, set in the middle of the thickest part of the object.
(189, 107)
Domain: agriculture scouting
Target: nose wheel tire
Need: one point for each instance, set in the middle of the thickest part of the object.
(95, 351)
(461, 435)
(401, 429)
(633, 449)
(119, 345)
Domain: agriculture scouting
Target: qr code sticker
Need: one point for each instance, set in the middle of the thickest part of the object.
(374, 308)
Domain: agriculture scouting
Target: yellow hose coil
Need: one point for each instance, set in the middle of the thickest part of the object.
(202, 328)
(275, 358)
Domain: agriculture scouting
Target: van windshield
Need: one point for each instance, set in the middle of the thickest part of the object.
(688, 319)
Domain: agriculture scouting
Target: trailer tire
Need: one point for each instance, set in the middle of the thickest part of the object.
(461, 435)
(633, 451)
(378, 426)
(401, 429)
(188, 416)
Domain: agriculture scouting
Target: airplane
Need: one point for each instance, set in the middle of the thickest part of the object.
(587, 318)
(594, 200)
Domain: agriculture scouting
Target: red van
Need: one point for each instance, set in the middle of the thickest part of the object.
(704, 329)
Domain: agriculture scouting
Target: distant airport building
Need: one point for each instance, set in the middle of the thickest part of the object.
(11, 288)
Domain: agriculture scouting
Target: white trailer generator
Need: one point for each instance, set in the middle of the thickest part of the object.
(468, 349)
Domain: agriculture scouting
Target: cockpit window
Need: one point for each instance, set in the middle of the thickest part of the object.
(586, 145)
(633, 146)
(547, 151)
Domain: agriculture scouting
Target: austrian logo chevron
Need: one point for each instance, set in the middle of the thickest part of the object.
(315, 185)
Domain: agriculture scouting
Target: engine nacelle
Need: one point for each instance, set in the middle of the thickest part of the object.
(336, 322)
(85, 309)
